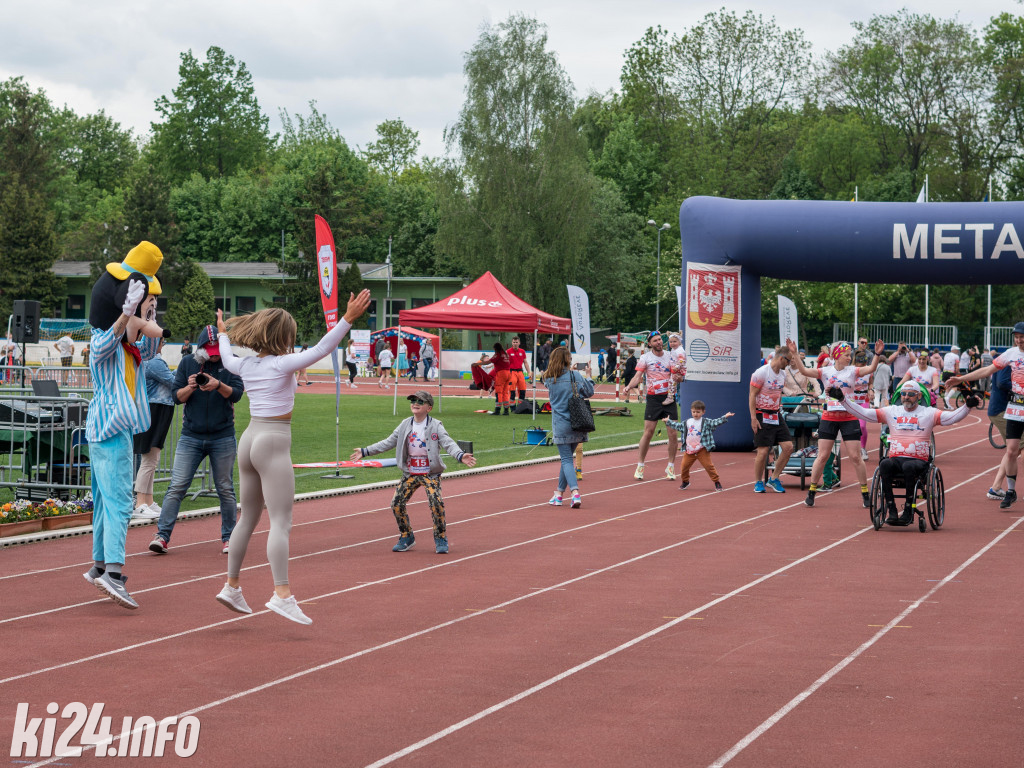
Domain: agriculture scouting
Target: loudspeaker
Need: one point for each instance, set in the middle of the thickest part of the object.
(26, 322)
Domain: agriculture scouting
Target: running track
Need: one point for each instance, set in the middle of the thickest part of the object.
(652, 627)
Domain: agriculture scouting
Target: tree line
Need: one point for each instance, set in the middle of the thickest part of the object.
(539, 185)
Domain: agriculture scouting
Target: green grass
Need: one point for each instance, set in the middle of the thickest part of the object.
(366, 419)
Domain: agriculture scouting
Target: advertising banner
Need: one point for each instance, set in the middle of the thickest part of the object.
(712, 322)
(579, 312)
(787, 321)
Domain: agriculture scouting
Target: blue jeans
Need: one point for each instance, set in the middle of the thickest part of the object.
(566, 471)
(188, 455)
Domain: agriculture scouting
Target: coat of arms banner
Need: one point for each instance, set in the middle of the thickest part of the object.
(712, 295)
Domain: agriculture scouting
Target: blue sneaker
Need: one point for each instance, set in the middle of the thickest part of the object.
(404, 543)
(759, 486)
(776, 485)
(440, 545)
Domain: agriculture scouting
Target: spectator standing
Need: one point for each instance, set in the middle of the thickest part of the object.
(612, 359)
(302, 377)
(384, 359)
(901, 360)
(149, 444)
(862, 355)
(66, 351)
(881, 384)
(427, 353)
(965, 361)
(209, 392)
(350, 363)
(986, 360)
(186, 347)
(417, 443)
(559, 378)
(543, 355)
(600, 363)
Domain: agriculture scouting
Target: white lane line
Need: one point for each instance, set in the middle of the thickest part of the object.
(419, 501)
(468, 617)
(793, 703)
(389, 579)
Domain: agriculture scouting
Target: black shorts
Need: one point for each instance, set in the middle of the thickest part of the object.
(830, 430)
(384, 370)
(655, 411)
(946, 376)
(1014, 429)
(772, 434)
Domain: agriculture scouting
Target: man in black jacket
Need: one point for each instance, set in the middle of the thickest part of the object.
(209, 392)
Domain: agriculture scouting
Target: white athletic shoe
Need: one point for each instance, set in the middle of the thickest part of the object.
(143, 512)
(232, 598)
(156, 508)
(288, 608)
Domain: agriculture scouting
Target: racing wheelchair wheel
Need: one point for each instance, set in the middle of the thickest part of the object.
(936, 499)
(877, 509)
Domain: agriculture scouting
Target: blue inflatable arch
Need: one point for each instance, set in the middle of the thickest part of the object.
(916, 243)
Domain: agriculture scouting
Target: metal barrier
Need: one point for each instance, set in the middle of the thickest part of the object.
(1000, 336)
(44, 451)
(75, 377)
(891, 334)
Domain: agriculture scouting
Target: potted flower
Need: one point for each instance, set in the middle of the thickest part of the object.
(57, 514)
(18, 517)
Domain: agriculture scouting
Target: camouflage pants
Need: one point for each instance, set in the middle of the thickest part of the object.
(406, 487)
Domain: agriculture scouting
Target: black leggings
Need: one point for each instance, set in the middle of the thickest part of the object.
(351, 372)
(912, 470)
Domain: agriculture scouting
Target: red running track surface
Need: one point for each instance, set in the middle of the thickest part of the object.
(653, 626)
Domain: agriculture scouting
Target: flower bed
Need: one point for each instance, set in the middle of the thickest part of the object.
(24, 516)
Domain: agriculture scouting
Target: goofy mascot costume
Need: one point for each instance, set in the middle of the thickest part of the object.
(123, 335)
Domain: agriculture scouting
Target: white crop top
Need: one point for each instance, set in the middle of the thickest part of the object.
(270, 380)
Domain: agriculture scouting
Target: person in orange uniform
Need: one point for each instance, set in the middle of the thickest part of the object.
(500, 361)
(519, 370)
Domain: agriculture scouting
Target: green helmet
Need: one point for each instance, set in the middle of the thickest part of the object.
(926, 396)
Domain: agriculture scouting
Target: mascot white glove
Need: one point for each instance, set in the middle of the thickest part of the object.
(136, 290)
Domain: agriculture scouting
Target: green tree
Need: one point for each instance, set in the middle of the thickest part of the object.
(213, 125)
(1004, 54)
(917, 81)
(26, 142)
(394, 150)
(28, 248)
(193, 305)
(519, 201)
(147, 216)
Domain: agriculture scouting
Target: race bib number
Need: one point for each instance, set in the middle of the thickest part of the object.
(860, 398)
(419, 465)
(835, 405)
(771, 419)
(1014, 412)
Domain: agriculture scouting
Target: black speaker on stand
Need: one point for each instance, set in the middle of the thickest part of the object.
(26, 328)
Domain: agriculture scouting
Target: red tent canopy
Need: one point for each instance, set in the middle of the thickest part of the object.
(486, 305)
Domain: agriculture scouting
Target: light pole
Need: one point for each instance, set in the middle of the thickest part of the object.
(657, 289)
(387, 308)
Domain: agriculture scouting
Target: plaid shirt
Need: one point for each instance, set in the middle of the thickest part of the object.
(707, 430)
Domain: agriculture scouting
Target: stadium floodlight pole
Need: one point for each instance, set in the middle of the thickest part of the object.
(387, 303)
(657, 289)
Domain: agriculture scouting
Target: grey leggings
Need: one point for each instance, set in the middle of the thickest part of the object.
(266, 477)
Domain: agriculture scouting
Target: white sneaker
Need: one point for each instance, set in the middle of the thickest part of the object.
(232, 598)
(864, 454)
(288, 608)
(143, 512)
(670, 472)
(156, 508)
(354, 386)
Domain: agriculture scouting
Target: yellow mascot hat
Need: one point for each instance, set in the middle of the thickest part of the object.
(145, 258)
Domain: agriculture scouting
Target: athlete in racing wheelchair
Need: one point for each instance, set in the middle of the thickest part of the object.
(910, 429)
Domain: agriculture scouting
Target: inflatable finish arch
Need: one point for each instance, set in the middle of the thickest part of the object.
(934, 243)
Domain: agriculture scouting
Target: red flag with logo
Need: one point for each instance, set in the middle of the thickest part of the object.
(327, 271)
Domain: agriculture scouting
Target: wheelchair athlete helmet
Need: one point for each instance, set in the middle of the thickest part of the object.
(926, 396)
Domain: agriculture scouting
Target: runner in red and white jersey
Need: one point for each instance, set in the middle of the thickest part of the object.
(1014, 359)
(766, 419)
(657, 365)
(910, 433)
(836, 420)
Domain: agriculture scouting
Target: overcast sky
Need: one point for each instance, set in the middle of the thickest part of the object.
(363, 62)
